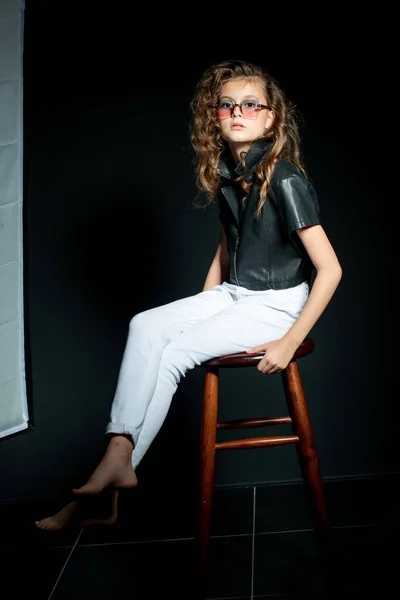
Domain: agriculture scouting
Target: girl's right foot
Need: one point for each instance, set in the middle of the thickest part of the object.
(61, 519)
(72, 513)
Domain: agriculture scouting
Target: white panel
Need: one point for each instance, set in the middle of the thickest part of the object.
(9, 233)
(9, 352)
(9, 174)
(12, 407)
(9, 111)
(10, 50)
(11, 8)
(13, 400)
(9, 292)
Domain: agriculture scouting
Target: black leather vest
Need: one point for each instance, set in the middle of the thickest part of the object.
(265, 252)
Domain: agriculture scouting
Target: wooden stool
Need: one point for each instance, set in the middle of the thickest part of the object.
(302, 437)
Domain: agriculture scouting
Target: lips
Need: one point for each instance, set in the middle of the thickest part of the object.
(238, 126)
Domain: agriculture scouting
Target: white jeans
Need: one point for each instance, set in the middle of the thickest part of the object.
(165, 342)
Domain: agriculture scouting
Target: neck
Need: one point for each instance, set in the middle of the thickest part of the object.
(237, 149)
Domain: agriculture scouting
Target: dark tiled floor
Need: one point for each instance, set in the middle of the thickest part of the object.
(262, 546)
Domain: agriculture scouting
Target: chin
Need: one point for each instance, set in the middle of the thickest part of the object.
(239, 136)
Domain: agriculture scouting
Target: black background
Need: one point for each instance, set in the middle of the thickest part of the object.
(109, 230)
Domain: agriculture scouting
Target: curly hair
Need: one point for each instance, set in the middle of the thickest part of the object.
(208, 144)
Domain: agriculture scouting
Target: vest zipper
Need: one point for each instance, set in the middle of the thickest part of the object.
(234, 259)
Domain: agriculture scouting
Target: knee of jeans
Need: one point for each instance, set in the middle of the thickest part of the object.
(140, 323)
(148, 332)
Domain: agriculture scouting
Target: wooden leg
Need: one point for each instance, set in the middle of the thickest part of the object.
(308, 455)
(207, 465)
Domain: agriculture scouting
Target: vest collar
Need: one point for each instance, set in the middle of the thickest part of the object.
(257, 151)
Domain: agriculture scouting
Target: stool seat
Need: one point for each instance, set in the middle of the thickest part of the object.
(243, 359)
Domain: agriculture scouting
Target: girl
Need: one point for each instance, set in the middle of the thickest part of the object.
(257, 295)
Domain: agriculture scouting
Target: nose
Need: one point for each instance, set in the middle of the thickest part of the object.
(237, 111)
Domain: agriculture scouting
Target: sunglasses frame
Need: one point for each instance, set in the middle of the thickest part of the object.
(235, 104)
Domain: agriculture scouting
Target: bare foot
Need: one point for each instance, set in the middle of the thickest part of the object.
(114, 470)
(70, 513)
(60, 519)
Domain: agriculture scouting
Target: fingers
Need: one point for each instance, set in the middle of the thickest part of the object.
(268, 368)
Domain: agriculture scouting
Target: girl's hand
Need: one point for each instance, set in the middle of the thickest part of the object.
(278, 355)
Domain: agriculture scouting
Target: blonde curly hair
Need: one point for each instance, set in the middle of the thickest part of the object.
(208, 144)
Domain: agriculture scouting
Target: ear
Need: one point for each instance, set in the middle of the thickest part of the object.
(270, 119)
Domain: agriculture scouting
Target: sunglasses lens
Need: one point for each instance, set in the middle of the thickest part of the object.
(249, 109)
(249, 113)
(224, 112)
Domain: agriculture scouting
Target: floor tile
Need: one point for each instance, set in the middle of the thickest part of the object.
(32, 574)
(232, 511)
(362, 501)
(156, 569)
(296, 596)
(147, 515)
(230, 567)
(282, 508)
(371, 556)
(18, 527)
(141, 571)
(289, 563)
(366, 526)
(286, 563)
(350, 502)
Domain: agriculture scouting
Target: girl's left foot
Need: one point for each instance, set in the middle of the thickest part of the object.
(114, 470)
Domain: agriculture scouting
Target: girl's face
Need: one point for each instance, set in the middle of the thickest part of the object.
(239, 127)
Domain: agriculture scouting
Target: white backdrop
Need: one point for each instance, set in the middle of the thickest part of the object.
(13, 402)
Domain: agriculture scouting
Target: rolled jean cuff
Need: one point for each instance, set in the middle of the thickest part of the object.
(123, 429)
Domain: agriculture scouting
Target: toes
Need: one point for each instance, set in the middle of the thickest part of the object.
(39, 524)
(45, 525)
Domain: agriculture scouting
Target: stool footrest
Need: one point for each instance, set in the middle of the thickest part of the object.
(260, 442)
(254, 422)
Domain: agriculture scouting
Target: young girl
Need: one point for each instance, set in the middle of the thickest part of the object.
(257, 295)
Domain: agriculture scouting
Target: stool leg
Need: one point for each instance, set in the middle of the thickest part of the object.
(308, 455)
(207, 464)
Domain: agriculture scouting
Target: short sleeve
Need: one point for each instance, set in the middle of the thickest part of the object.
(298, 203)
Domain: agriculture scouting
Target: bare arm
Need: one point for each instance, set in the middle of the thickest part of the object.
(219, 268)
(329, 273)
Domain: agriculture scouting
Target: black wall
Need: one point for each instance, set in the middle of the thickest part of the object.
(110, 231)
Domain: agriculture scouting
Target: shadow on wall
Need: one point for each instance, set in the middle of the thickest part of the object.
(120, 258)
(118, 254)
